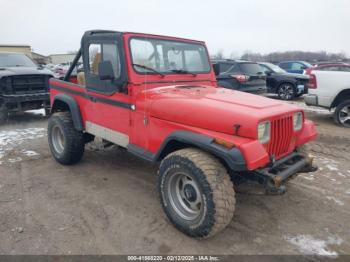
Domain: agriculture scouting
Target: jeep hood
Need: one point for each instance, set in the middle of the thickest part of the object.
(9, 71)
(216, 109)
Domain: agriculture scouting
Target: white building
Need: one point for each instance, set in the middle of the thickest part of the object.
(61, 58)
(24, 49)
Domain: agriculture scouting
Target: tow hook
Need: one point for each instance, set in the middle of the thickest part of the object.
(286, 169)
(309, 167)
(272, 188)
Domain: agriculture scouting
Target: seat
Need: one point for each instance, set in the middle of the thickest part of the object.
(81, 78)
(93, 69)
(94, 65)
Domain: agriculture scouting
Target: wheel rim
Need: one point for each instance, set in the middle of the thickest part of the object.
(344, 116)
(286, 92)
(58, 139)
(185, 196)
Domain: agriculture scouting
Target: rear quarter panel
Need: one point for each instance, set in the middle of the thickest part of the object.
(329, 85)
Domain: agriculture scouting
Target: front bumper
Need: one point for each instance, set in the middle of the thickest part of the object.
(23, 102)
(285, 168)
(25, 97)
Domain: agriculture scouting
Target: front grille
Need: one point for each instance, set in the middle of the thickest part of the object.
(281, 136)
(25, 84)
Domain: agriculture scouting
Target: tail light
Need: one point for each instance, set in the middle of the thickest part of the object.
(312, 82)
(241, 78)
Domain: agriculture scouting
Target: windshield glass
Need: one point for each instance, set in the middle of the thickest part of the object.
(12, 60)
(168, 57)
(307, 64)
(275, 68)
(250, 68)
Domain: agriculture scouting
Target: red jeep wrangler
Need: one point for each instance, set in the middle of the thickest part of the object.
(157, 97)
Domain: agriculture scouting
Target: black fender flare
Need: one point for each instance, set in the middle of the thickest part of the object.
(73, 108)
(232, 158)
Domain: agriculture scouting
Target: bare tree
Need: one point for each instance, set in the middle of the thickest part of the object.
(218, 55)
(312, 57)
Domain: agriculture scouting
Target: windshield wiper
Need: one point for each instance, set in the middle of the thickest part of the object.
(149, 68)
(182, 71)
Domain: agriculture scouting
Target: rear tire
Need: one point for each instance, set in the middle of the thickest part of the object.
(47, 111)
(196, 192)
(342, 114)
(286, 91)
(66, 143)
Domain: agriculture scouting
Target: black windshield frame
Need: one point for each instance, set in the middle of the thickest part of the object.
(207, 60)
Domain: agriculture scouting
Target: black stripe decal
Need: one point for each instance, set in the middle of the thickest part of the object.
(95, 98)
(67, 90)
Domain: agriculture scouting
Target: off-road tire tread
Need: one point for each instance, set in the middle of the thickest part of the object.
(336, 112)
(75, 145)
(220, 184)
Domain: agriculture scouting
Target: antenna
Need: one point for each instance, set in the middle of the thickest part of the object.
(145, 111)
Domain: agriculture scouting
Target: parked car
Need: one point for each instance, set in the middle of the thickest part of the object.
(286, 85)
(329, 67)
(60, 71)
(168, 109)
(23, 84)
(297, 67)
(240, 75)
(331, 90)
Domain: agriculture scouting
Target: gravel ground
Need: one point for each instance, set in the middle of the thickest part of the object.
(108, 204)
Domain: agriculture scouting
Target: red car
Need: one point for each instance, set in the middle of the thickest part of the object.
(329, 67)
(157, 97)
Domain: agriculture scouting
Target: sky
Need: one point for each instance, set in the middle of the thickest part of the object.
(234, 26)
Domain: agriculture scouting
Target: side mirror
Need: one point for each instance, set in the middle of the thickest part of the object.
(216, 68)
(105, 70)
(303, 67)
(268, 73)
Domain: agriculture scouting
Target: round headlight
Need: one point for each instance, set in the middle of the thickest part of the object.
(264, 132)
(297, 121)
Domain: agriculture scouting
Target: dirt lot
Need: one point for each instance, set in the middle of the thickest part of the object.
(108, 204)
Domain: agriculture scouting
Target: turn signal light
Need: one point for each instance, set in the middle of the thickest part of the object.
(223, 143)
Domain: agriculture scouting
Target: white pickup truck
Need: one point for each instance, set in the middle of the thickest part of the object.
(331, 90)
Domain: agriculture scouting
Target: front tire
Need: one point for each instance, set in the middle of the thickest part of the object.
(47, 111)
(3, 116)
(342, 114)
(196, 192)
(286, 91)
(66, 143)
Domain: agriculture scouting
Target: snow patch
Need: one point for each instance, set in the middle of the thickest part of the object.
(341, 174)
(12, 138)
(307, 177)
(14, 160)
(336, 200)
(331, 167)
(313, 109)
(29, 153)
(311, 246)
(37, 111)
